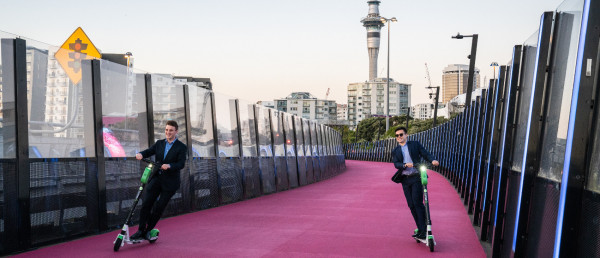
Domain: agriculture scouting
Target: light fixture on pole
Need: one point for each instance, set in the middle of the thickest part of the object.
(435, 108)
(494, 64)
(387, 108)
(471, 65)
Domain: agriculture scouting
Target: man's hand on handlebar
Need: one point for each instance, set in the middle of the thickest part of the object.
(435, 163)
(139, 156)
(165, 166)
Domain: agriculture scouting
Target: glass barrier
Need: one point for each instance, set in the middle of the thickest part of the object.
(326, 140)
(60, 124)
(201, 119)
(299, 136)
(561, 86)
(289, 134)
(248, 128)
(313, 138)
(168, 104)
(227, 127)
(124, 118)
(306, 134)
(320, 139)
(7, 100)
(263, 124)
(277, 130)
(527, 73)
(593, 184)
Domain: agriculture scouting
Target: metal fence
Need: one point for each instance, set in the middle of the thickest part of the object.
(525, 155)
(67, 165)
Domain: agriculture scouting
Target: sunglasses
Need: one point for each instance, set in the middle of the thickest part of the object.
(399, 135)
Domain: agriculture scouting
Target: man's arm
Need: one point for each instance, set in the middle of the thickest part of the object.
(181, 158)
(399, 164)
(424, 153)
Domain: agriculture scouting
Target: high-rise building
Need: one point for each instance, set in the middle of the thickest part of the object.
(373, 24)
(342, 112)
(305, 105)
(366, 99)
(455, 80)
(425, 111)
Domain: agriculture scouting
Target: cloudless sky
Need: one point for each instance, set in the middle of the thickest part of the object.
(262, 50)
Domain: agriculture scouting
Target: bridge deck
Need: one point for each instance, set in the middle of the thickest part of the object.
(360, 213)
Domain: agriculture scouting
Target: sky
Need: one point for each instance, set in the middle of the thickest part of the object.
(264, 50)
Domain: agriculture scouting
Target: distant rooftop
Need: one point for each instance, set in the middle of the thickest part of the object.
(301, 95)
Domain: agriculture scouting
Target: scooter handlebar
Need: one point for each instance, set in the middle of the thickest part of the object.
(147, 160)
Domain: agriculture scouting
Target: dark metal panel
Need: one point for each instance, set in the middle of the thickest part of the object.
(489, 171)
(477, 151)
(533, 139)
(215, 137)
(472, 148)
(98, 135)
(507, 142)
(186, 190)
(204, 183)
(485, 142)
(578, 146)
(17, 174)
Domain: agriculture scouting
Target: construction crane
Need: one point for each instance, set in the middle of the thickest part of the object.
(327, 94)
(427, 73)
(437, 95)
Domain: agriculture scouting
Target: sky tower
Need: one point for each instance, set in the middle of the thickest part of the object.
(373, 24)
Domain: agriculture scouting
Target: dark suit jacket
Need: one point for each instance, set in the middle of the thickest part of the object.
(176, 157)
(417, 154)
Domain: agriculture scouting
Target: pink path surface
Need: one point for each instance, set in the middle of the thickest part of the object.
(359, 213)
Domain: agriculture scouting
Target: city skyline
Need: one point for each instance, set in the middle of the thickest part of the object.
(263, 50)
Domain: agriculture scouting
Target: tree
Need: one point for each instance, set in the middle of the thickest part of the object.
(373, 128)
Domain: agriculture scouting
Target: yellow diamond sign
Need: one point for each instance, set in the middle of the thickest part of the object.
(78, 47)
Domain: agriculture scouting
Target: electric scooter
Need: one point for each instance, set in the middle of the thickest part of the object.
(429, 240)
(152, 236)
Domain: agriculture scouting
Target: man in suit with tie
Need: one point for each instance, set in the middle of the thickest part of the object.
(171, 153)
(405, 156)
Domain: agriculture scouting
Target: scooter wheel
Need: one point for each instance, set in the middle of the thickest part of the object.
(430, 244)
(118, 242)
(153, 235)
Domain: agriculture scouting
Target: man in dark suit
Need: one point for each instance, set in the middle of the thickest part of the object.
(171, 153)
(405, 156)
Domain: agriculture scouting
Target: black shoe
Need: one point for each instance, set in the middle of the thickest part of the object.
(420, 236)
(138, 236)
(416, 233)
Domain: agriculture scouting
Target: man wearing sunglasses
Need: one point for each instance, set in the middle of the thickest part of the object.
(405, 156)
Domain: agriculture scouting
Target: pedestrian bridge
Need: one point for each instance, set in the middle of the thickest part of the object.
(359, 213)
(67, 166)
(525, 155)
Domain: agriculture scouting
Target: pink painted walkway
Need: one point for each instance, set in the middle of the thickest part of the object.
(360, 213)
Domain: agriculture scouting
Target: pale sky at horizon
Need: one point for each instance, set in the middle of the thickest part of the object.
(262, 50)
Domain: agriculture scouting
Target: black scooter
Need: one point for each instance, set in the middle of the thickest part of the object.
(152, 236)
(429, 240)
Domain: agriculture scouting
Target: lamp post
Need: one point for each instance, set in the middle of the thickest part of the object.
(128, 57)
(387, 108)
(471, 64)
(437, 95)
(494, 64)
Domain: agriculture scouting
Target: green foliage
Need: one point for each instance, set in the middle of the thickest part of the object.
(372, 129)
